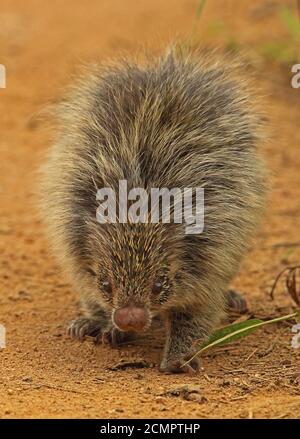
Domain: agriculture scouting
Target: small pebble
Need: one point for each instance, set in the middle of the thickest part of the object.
(27, 380)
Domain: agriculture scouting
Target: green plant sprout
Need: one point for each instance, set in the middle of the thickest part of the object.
(236, 331)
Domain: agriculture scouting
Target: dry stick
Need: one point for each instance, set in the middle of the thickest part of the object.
(237, 398)
(249, 356)
(285, 244)
(52, 387)
(291, 285)
(228, 369)
(283, 415)
(295, 267)
(267, 351)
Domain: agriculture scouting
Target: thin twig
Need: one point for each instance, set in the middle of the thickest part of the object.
(249, 356)
(52, 387)
(285, 244)
(279, 276)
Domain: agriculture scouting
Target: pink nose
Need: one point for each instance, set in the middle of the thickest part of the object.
(131, 318)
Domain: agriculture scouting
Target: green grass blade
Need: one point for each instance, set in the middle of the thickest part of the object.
(200, 8)
(238, 330)
(291, 22)
(232, 332)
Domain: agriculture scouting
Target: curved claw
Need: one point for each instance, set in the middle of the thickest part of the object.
(83, 326)
(114, 337)
(179, 366)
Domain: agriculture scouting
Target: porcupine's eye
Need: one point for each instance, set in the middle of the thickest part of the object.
(106, 286)
(157, 287)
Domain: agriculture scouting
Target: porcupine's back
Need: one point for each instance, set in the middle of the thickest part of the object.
(182, 121)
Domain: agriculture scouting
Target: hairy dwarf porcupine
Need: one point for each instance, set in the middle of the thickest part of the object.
(181, 121)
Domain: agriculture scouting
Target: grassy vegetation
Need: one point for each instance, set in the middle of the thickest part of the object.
(284, 50)
(234, 332)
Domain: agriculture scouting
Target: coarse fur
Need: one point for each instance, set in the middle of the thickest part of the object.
(184, 120)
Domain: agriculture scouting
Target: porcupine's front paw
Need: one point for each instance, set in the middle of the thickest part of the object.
(177, 365)
(85, 326)
(115, 338)
(99, 329)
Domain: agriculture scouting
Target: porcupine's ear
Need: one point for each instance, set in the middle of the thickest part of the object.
(174, 53)
(177, 52)
(170, 52)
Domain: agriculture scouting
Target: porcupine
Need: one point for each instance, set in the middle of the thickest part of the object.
(182, 120)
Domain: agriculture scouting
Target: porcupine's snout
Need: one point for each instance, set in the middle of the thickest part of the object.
(131, 318)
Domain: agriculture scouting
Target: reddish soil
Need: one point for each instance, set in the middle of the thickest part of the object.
(42, 372)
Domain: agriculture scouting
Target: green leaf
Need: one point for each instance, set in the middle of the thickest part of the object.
(232, 332)
(238, 330)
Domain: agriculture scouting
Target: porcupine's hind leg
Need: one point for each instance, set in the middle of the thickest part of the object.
(184, 328)
(235, 302)
(97, 323)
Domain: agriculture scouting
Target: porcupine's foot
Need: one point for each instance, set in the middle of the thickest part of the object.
(179, 366)
(115, 338)
(182, 330)
(236, 303)
(99, 329)
(86, 326)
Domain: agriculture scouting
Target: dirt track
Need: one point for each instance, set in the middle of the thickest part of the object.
(42, 372)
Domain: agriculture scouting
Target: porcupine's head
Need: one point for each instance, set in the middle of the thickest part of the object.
(136, 269)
